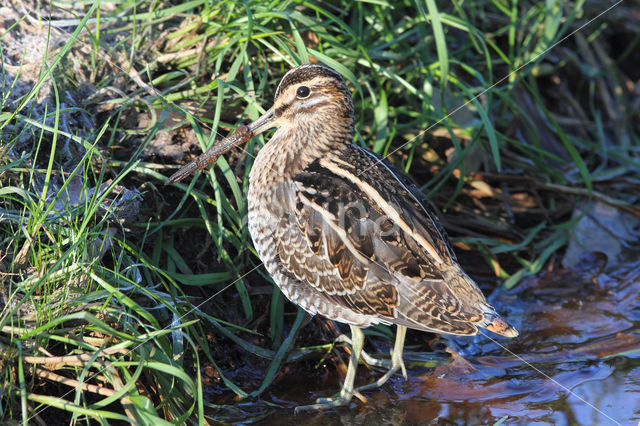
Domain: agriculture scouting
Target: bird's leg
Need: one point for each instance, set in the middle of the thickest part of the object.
(364, 356)
(357, 341)
(396, 361)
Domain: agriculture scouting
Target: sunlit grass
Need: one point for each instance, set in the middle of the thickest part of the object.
(104, 270)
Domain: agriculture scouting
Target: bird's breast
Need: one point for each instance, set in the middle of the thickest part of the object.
(269, 200)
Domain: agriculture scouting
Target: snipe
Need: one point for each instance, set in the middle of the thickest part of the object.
(344, 233)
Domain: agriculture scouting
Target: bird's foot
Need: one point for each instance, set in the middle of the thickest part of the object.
(326, 403)
(396, 364)
(347, 391)
(367, 359)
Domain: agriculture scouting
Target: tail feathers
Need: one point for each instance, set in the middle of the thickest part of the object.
(499, 326)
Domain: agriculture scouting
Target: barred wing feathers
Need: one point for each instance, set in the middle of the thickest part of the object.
(371, 243)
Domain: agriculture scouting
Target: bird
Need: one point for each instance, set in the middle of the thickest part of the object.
(344, 233)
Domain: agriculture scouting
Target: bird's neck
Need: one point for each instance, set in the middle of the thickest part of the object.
(292, 148)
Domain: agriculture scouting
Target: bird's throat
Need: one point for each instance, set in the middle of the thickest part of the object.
(292, 148)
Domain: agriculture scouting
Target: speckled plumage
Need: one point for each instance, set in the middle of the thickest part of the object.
(347, 235)
(344, 233)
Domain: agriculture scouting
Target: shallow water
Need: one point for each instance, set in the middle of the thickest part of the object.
(576, 361)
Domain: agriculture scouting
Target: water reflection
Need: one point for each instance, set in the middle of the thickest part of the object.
(577, 361)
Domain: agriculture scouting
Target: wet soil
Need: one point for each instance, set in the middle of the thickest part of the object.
(576, 361)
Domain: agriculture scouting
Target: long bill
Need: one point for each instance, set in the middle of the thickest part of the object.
(242, 134)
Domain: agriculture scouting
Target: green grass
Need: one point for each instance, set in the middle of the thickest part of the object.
(100, 261)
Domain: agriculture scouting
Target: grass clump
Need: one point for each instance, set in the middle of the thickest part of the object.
(117, 290)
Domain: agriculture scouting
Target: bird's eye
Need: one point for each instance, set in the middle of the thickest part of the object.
(303, 92)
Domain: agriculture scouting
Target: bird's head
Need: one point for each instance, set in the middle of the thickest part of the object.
(312, 93)
(311, 101)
